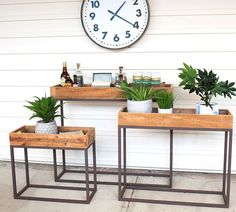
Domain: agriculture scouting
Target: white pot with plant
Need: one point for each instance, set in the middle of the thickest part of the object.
(206, 85)
(165, 100)
(45, 108)
(139, 97)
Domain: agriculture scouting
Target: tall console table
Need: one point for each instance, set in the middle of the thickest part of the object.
(88, 93)
(181, 119)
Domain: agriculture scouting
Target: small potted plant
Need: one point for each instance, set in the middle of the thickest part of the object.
(44, 108)
(207, 85)
(165, 101)
(139, 97)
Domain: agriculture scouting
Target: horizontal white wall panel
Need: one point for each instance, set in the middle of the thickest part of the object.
(130, 60)
(36, 36)
(150, 43)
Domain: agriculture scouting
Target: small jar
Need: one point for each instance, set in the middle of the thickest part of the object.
(147, 78)
(137, 77)
(156, 78)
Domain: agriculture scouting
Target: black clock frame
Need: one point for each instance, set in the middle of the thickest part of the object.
(110, 48)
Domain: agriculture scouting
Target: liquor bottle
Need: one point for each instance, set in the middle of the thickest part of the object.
(124, 77)
(79, 74)
(65, 77)
(121, 75)
(117, 81)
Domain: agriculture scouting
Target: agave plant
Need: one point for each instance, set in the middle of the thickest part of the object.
(137, 92)
(205, 83)
(164, 99)
(44, 108)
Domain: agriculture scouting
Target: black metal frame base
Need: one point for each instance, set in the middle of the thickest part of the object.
(123, 186)
(58, 176)
(90, 192)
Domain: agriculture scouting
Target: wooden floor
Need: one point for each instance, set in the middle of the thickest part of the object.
(105, 199)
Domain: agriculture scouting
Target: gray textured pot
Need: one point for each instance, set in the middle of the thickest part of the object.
(46, 128)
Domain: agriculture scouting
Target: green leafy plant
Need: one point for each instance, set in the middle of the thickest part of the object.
(44, 108)
(164, 99)
(205, 83)
(137, 92)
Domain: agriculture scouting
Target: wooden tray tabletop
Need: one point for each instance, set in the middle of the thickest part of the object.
(25, 137)
(180, 118)
(95, 93)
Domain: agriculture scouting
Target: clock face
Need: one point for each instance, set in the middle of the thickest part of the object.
(115, 24)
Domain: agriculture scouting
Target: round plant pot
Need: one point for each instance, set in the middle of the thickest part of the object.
(203, 110)
(139, 106)
(46, 128)
(165, 111)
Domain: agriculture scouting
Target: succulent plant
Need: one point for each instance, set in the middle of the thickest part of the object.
(164, 99)
(44, 108)
(137, 92)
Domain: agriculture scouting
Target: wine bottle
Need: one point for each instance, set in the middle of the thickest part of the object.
(65, 77)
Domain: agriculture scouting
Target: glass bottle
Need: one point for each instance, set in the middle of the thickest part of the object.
(117, 81)
(65, 77)
(121, 74)
(79, 74)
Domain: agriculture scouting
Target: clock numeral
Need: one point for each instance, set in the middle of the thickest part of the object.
(95, 4)
(135, 2)
(92, 15)
(116, 38)
(136, 25)
(95, 27)
(138, 13)
(128, 35)
(104, 35)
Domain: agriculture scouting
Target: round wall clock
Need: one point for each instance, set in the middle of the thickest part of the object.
(115, 24)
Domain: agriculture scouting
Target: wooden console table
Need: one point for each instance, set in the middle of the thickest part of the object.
(89, 93)
(181, 119)
(25, 138)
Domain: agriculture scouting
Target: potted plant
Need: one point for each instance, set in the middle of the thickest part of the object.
(165, 101)
(44, 108)
(139, 97)
(207, 85)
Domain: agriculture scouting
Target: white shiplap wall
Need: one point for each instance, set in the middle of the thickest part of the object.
(37, 35)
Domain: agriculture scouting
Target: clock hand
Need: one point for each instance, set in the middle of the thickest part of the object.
(117, 11)
(120, 17)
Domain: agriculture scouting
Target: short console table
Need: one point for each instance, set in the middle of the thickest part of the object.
(88, 93)
(25, 138)
(181, 119)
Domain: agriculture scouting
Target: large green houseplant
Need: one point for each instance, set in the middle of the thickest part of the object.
(45, 109)
(139, 97)
(207, 85)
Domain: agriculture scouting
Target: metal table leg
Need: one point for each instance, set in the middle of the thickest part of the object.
(58, 176)
(90, 192)
(225, 192)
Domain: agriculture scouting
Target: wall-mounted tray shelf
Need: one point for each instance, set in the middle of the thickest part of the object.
(94, 93)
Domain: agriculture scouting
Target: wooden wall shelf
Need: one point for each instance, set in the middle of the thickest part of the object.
(91, 93)
(181, 118)
(26, 137)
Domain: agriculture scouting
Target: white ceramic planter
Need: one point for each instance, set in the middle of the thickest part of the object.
(203, 110)
(165, 111)
(46, 128)
(139, 106)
